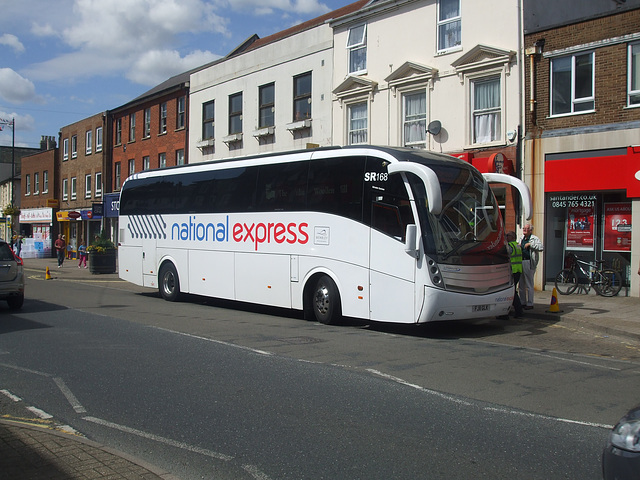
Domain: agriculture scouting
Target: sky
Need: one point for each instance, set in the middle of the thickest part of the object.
(65, 60)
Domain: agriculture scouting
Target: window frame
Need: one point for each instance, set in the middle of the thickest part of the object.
(117, 177)
(162, 160)
(180, 156)
(88, 145)
(74, 146)
(65, 189)
(351, 132)
(65, 149)
(146, 163)
(98, 139)
(301, 96)
(355, 49)
(132, 127)
(87, 186)
(118, 138)
(415, 119)
(36, 183)
(446, 22)
(181, 111)
(486, 77)
(27, 188)
(131, 167)
(235, 116)
(98, 190)
(265, 106)
(45, 181)
(209, 121)
(633, 96)
(147, 123)
(573, 100)
(74, 188)
(162, 127)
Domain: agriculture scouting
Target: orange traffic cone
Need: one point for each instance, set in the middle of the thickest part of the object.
(47, 275)
(554, 307)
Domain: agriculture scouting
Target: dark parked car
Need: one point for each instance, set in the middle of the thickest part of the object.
(11, 277)
(621, 457)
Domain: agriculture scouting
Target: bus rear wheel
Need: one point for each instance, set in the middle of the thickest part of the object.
(169, 283)
(326, 301)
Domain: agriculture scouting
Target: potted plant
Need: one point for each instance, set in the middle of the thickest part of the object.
(102, 255)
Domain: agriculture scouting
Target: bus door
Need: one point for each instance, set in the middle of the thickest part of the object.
(149, 257)
(392, 277)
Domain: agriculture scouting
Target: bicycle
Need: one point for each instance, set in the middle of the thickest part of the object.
(605, 281)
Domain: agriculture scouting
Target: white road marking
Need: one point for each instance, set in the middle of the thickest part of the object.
(219, 342)
(157, 438)
(10, 395)
(39, 413)
(77, 406)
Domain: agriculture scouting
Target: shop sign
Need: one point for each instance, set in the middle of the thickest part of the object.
(73, 214)
(573, 200)
(36, 215)
(580, 227)
(617, 227)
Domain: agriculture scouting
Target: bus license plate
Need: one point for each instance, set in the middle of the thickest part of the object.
(480, 308)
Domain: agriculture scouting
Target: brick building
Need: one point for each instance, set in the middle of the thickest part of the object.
(582, 115)
(80, 183)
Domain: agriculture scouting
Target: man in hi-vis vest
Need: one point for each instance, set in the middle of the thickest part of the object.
(515, 254)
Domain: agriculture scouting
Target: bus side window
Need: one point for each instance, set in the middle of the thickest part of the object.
(386, 218)
(282, 187)
(335, 186)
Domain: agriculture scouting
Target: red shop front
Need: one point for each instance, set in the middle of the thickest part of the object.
(588, 207)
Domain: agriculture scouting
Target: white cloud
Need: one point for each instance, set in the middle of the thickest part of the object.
(12, 41)
(289, 6)
(157, 66)
(23, 122)
(16, 89)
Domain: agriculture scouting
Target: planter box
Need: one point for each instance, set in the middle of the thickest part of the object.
(102, 262)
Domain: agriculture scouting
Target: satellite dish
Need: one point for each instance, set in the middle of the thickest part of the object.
(434, 127)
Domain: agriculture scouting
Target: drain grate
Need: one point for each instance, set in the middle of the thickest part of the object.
(300, 340)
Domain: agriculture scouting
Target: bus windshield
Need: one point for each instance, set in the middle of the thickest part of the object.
(469, 230)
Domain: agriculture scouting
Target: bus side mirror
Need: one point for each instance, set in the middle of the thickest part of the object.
(411, 240)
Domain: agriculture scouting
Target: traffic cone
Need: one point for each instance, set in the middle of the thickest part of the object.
(47, 275)
(554, 307)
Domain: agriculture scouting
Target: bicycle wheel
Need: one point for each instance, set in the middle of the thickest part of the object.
(566, 281)
(608, 283)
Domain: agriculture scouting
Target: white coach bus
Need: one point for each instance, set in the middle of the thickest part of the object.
(383, 234)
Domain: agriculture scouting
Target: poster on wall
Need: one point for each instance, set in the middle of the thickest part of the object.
(580, 227)
(617, 227)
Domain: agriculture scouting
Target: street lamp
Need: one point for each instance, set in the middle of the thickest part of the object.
(11, 123)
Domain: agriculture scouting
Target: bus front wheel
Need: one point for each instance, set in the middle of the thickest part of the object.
(326, 301)
(169, 284)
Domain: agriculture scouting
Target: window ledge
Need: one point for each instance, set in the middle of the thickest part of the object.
(264, 132)
(234, 137)
(301, 125)
(209, 142)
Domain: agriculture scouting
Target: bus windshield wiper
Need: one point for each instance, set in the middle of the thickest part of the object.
(460, 243)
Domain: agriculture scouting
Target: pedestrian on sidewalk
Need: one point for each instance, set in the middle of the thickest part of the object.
(531, 248)
(515, 254)
(82, 254)
(60, 246)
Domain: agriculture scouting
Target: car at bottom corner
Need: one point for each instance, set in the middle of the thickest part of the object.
(621, 456)
(11, 277)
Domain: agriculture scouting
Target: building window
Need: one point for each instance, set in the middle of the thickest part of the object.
(147, 123)
(65, 149)
(208, 120)
(572, 81)
(267, 107)
(99, 139)
(132, 166)
(45, 181)
(132, 127)
(180, 157)
(74, 188)
(302, 97)
(235, 113)
(181, 113)
(74, 146)
(414, 119)
(98, 184)
(36, 183)
(358, 123)
(65, 189)
(162, 160)
(449, 24)
(146, 164)
(118, 176)
(634, 74)
(357, 46)
(27, 188)
(87, 186)
(163, 118)
(486, 110)
(118, 131)
(89, 142)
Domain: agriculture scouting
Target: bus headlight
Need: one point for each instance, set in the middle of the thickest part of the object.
(434, 273)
